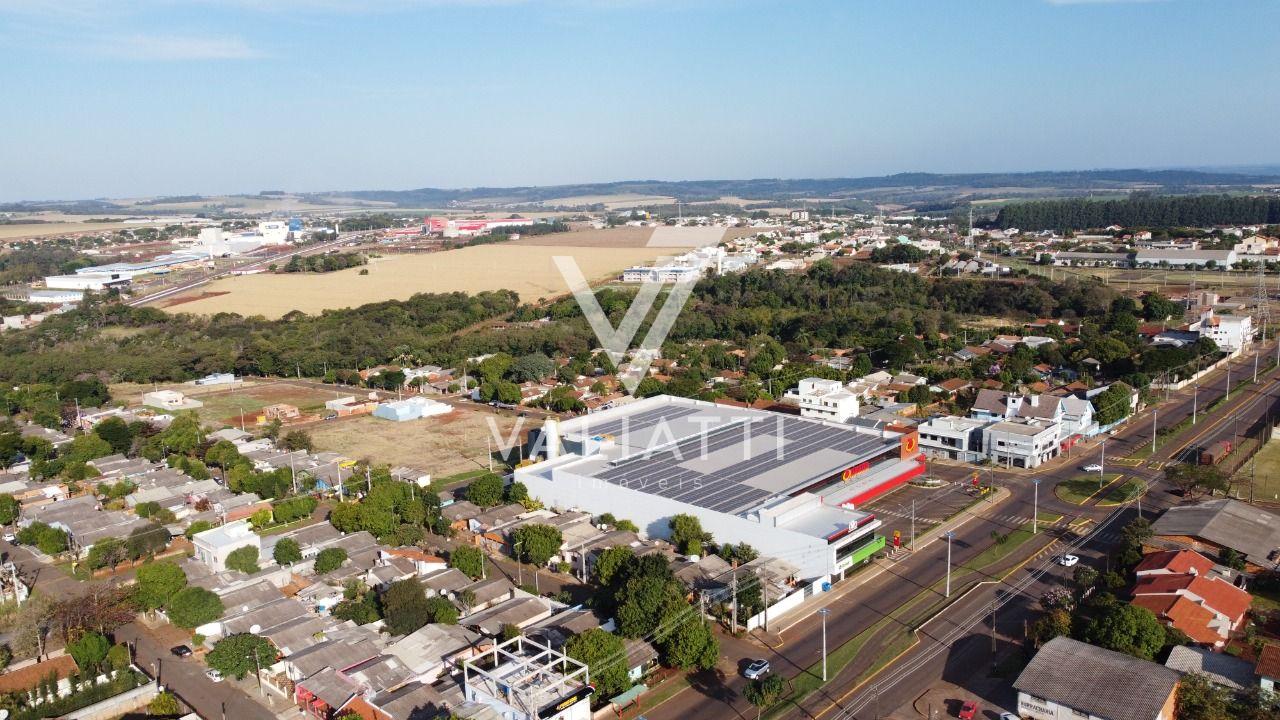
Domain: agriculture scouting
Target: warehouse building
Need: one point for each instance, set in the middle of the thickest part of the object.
(789, 486)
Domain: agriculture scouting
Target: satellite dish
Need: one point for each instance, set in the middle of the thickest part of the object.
(255, 629)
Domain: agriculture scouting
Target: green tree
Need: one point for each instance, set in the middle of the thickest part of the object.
(164, 704)
(116, 433)
(537, 543)
(469, 560)
(330, 559)
(295, 440)
(238, 655)
(89, 650)
(146, 541)
(485, 491)
(1199, 699)
(192, 607)
(158, 581)
(609, 562)
(764, 692)
(107, 552)
(1055, 623)
(441, 611)
(244, 559)
(197, 527)
(686, 531)
(641, 602)
(1128, 629)
(404, 605)
(685, 639)
(1113, 404)
(286, 551)
(605, 656)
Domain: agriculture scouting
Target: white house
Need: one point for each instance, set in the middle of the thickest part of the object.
(213, 546)
(170, 400)
(824, 400)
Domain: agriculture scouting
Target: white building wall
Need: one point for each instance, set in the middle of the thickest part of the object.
(565, 489)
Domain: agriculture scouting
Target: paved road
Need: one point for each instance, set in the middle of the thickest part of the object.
(186, 679)
(719, 693)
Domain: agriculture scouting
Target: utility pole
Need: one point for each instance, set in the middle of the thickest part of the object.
(1035, 506)
(913, 524)
(764, 597)
(1102, 463)
(823, 612)
(519, 565)
(733, 586)
(950, 535)
(1155, 414)
(993, 630)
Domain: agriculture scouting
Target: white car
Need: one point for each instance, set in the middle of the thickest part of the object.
(10, 537)
(1009, 716)
(756, 670)
(1068, 560)
(213, 675)
(1092, 468)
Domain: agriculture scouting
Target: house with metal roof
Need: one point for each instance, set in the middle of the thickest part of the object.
(1071, 679)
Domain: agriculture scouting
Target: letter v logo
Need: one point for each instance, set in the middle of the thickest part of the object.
(616, 341)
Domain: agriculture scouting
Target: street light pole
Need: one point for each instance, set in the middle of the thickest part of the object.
(519, 565)
(913, 525)
(823, 612)
(950, 535)
(1155, 414)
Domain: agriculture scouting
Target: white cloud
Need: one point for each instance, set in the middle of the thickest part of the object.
(175, 48)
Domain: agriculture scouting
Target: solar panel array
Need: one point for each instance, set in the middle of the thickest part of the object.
(726, 490)
(639, 421)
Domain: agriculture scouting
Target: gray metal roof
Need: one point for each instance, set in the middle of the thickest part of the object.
(1220, 668)
(1096, 681)
(1228, 523)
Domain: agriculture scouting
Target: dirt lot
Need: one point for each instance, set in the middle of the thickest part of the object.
(23, 230)
(528, 270)
(223, 405)
(442, 446)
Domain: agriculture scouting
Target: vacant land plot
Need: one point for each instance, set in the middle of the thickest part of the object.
(1264, 472)
(22, 230)
(443, 446)
(224, 405)
(529, 271)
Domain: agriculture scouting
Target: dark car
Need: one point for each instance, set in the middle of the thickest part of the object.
(180, 650)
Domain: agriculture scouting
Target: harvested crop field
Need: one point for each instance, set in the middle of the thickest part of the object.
(528, 270)
(443, 445)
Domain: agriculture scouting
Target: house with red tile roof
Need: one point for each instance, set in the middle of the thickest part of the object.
(1174, 562)
(1205, 607)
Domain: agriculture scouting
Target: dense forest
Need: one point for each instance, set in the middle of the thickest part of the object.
(1141, 212)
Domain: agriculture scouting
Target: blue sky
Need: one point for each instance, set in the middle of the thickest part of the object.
(140, 97)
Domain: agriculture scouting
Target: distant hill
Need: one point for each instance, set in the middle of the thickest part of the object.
(922, 191)
(904, 188)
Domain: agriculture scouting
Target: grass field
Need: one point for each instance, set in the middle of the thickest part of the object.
(443, 446)
(528, 270)
(1266, 474)
(1079, 490)
(1122, 493)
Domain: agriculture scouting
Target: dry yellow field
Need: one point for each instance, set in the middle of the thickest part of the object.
(10, 232)
(526, 269)
(444, 445)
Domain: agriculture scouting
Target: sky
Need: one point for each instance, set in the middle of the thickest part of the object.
(127, 98)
